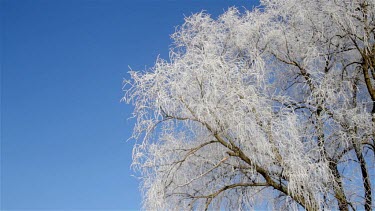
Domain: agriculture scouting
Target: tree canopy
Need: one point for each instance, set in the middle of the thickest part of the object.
(274, 105)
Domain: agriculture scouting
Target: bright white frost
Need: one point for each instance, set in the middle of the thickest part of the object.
(269, 104)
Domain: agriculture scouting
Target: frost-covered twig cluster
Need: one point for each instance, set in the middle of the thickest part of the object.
(274, 105)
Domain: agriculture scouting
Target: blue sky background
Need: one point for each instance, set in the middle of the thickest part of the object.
(63, 127)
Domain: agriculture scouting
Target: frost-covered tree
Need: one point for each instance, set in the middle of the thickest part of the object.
(273, 106)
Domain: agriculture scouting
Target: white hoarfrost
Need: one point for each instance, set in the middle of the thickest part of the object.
(271, 107)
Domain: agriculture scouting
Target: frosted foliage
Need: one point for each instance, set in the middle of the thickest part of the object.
(269, 107)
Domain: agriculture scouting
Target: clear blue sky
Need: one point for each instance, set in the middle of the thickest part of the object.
(63, 128)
